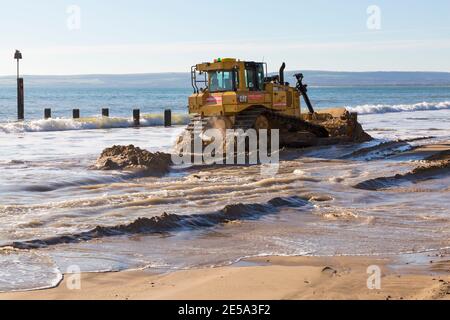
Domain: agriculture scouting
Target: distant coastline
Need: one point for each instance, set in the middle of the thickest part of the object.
(182, 80)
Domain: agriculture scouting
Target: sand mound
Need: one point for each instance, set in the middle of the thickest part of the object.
(440, 156)
(343, 124)
(435, 167)
(431, 170)
(134, 158)
(342, 127)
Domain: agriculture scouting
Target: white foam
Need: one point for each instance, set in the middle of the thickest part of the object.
(60, 124)
(384, 108)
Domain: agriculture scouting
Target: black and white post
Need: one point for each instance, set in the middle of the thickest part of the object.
(20, 89)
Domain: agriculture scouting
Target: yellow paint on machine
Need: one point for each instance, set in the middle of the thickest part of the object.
(271, 95)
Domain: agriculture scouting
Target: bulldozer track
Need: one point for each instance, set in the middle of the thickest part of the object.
(197, 122)
(245, 120)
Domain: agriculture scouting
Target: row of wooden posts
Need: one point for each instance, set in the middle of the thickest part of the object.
(105, 113)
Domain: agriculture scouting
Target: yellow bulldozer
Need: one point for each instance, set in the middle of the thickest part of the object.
(235, 94)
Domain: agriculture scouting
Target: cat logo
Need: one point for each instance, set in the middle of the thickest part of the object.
(243, 99)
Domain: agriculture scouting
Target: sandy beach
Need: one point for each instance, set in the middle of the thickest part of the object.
(292, 278)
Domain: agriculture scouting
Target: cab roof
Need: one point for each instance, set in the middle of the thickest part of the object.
(221, 64)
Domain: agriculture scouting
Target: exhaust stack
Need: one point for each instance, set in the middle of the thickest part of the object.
(283, 66)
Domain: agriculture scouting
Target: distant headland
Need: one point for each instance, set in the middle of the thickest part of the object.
(182, 79)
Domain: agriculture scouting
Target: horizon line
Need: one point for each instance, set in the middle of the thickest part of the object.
(187, 72)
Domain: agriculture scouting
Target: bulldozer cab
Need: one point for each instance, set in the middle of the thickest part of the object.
(226, 87)
(228, 75)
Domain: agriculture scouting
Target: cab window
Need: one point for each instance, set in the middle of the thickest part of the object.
(222, 81)
(254, 77)
(250, 79)
(260, 76)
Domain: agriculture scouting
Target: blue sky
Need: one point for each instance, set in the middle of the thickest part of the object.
(138, 36)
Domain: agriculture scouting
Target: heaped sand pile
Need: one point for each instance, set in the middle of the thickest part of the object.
(340, 123)
(438, 163)
(134, 159)
(342, 126)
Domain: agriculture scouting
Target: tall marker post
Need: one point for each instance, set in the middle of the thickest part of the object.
(20, 89)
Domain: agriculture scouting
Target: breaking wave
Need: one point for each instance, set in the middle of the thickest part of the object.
(170, 222)
(60, 124)
(385, 108)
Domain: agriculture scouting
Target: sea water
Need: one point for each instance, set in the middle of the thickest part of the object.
(49, 192)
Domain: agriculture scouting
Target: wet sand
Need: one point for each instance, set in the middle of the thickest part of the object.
(292, 278)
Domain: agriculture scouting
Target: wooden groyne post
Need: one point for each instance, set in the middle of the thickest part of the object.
(168, 118)
(76, 113)
(47, 113)
(137, 117)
